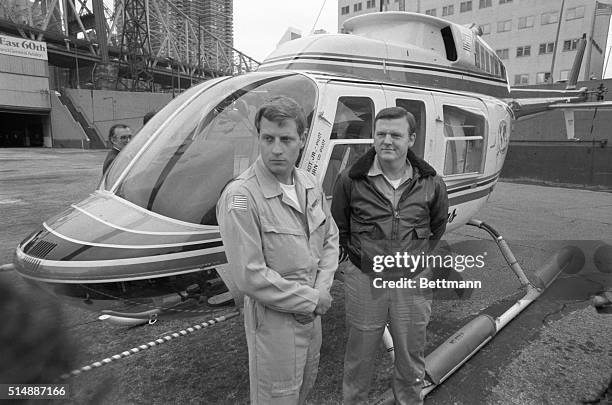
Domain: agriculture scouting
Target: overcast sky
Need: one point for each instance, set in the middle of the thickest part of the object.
(259, 25)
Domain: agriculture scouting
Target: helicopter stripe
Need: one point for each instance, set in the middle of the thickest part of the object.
(379, 61)
(470, 184)
(123, 246)
(211, 233)
(149, 266)
(416, 79)
(420, 75)
(460, 199)
(382, 63)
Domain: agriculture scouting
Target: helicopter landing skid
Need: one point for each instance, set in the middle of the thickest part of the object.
(463, 344)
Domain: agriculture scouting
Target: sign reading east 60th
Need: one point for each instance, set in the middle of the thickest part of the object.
(23, 47)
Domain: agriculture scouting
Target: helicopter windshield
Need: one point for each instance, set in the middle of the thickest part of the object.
(212, 140)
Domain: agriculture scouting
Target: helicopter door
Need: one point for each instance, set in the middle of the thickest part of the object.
(421, 105)
(348, 111)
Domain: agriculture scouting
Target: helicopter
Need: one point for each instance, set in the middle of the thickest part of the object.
(146, 240)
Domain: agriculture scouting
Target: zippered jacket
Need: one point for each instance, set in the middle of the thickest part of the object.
(368, 222)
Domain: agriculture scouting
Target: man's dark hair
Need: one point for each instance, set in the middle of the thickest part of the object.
(112, 129)
(147, 117)
(391, 113)
(279, 109)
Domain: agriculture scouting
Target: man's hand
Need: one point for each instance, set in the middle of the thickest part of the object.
(344, 256)
(324, 303)
(304, 319)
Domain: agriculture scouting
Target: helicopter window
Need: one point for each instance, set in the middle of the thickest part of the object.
(342, 156)
(417, 108)
(449, 43)
(353, 118)
(132, 148)
(211, 141)
(464, 135)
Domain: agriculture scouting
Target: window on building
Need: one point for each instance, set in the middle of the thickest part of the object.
(402, 5)
(504, 26)
(574, 13)
(448, 10)
(431, 11)
(550, 17)
(570, 44)
(523, 51)
(345, 10)
(526, 22)
(564, 75)
(464, 137)
(371, 4)
(465, 6)
(503, 53)
(357, 7)
(486, 29)
(542, 77)
(548, 47)
(521, 79)
(505, 1)
(484, 4)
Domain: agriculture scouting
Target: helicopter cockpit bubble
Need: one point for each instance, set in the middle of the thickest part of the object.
(212, 139)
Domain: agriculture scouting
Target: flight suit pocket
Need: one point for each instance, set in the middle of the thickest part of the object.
(285, 248)
(254, 314)
(316, 218)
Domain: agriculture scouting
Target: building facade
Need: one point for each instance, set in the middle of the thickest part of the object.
(523, 32)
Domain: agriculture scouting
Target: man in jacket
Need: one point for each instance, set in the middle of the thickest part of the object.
(388, 202)
(119, 135)
(282, 248)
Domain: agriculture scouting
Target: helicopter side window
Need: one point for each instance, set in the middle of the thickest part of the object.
(417, 108)
(354, 116)
(353, 120)
(342, 156)
(464, 137)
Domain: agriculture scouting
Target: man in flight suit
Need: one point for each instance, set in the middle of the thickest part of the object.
(282, 249)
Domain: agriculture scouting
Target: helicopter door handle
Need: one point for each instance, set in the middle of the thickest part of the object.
(321, 116)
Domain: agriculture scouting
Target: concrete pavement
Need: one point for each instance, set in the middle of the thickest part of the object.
(559, 351)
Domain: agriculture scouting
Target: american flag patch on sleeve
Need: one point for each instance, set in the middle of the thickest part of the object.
(239, 202)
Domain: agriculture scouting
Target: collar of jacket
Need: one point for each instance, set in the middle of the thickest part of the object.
(270, 186)
(362, 166)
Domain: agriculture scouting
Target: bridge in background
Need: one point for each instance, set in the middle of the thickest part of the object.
(138, 45)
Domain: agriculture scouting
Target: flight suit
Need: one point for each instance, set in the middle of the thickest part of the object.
(280, 258)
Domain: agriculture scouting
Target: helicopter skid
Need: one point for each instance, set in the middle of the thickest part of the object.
(463, 344)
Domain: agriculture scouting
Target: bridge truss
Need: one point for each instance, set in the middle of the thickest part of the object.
(134, 43)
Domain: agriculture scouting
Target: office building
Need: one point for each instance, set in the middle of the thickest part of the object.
(522, 32)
